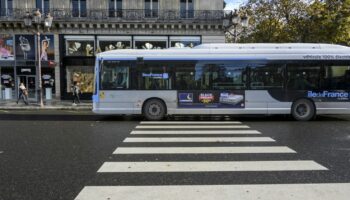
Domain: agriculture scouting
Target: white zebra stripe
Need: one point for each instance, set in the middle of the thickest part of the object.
(205, 166)
(323, 191)
(200, 139)
(202, 150)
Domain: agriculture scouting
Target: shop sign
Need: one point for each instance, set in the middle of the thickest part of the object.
(23, 70)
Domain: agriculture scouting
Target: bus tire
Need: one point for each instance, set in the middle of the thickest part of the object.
(303, 110)
(154, 110)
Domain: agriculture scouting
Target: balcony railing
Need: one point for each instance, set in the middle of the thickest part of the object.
(119, 15)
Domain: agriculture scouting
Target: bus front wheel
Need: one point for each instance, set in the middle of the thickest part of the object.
(303, 110)
(154, 110)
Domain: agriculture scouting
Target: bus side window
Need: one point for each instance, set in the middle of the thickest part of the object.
(303, 76)
(229, 76)
(114, 76)
(336, 78)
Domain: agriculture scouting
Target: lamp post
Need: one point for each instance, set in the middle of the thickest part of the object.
(36, 21)
(235, 20)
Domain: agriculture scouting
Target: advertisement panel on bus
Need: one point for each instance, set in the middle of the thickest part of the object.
(211, 99)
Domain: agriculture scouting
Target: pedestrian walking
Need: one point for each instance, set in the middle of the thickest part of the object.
(76, 93)
(23, 94)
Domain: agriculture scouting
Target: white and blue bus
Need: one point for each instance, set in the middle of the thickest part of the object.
(303, 80)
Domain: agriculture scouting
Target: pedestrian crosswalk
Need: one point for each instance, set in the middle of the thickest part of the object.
(201, 150)
(214, 138)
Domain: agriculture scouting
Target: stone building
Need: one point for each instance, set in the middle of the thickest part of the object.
(82, 28)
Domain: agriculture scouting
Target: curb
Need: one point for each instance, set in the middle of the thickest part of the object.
(85, 108)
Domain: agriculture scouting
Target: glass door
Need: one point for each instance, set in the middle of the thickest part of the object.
(30, 83)
(31, 80)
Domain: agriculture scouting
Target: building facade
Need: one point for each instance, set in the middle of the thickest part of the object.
(82, 28)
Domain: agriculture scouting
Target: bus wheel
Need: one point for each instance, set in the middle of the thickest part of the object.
(303, 110)
(154, 110)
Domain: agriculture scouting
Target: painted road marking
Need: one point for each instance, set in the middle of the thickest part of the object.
(202, 150)
(202, 132)
(200, 139)
(204, 166)
(192, 127)
(327, 191)
(191, 122)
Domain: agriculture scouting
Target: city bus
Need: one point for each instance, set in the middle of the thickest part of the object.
(302, 80)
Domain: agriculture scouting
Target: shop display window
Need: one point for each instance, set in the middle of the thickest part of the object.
(83, 76)
(151, 42)
(108, 43)
(80, 46)
(181, 41)
(7, 83)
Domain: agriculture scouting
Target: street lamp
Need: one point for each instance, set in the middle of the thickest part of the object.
(235, 20)
(36, 19)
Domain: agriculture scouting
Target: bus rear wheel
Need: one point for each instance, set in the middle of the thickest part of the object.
(154, 110)
(303, 110)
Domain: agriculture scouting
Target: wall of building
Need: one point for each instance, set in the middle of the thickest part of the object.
(127, 4)
(208, 30)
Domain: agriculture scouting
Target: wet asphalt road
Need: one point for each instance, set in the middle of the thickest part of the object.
(53, 155)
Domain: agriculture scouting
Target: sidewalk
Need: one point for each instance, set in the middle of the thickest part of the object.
(48, 105)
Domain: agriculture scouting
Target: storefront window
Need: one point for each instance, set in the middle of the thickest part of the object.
(80, 46)
(48, 78)
(108, 43)
(151, 42)
(7, 83)
(181, 42)
(83, 76)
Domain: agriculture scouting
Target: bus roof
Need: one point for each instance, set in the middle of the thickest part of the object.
(261, 51)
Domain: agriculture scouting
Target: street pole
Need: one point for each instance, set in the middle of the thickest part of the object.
(41, 102)
(28, 22)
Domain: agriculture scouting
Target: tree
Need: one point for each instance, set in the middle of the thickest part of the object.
(325, 21)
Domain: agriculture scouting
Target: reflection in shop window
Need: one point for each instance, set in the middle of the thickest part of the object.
(83, 76)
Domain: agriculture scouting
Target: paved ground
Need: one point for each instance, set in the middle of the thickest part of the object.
(48, 105)
(76, 155)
